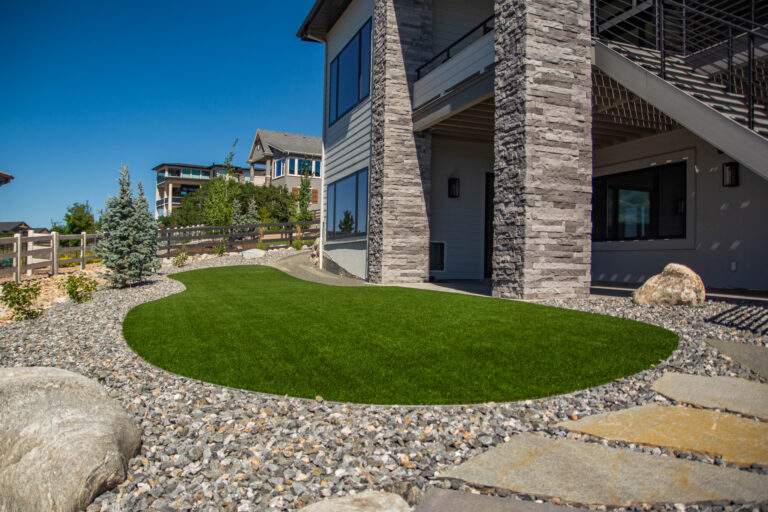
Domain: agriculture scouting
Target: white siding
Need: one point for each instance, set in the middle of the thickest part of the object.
(471, 60)
(727, 242)
(454, 18)
(346, 144)
(460, 222)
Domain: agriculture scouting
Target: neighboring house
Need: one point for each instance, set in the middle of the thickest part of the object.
(5, 178)
(284, 157)
(13, 227)
(175, 181)
(515, 140)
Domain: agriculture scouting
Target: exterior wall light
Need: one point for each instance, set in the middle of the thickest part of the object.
(454, 187)
(731, 174)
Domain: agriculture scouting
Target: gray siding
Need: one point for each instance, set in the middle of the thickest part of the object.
(454, 18)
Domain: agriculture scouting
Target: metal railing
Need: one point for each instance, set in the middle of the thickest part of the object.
(470, 37)
(719, 37)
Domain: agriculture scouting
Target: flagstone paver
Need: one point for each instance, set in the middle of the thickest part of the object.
(445, 500)
(754, 357)
(589, 473)
(735, 439)
(727, 393)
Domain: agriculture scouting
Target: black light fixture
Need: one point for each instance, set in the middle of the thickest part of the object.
(454, 187)
(731, 174)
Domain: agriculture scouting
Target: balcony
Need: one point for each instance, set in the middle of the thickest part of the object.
(456, 78)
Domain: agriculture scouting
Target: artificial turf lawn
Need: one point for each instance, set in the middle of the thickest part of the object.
(258, 328)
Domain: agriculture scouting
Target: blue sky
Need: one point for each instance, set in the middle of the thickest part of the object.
(89, 85)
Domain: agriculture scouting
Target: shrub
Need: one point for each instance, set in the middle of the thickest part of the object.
(298, 244)
(180, 259)
(220, 250)
(80, 288)
(20, 297)
(263, 246)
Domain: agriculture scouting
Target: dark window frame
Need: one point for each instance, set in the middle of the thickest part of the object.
(333, 85)
(605, 231)
(330, 209)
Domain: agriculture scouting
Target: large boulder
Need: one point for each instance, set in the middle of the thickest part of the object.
(368, 501)
(63, 441)
(254, 254)
(676, 285)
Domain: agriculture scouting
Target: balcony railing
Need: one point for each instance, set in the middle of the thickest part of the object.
(473, 35)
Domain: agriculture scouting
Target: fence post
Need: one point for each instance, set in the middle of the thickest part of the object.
(19, 262)
(83, 244)
(55, 253)
(168, 243)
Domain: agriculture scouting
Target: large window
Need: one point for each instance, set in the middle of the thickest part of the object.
(347, 208)
(640, 205)
(279, 168)
(350, 75)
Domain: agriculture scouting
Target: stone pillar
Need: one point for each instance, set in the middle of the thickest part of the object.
(399, 177)
(543, 149)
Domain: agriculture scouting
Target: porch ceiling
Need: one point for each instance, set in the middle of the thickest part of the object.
(618, 116)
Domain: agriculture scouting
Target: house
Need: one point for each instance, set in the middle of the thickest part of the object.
(5, 178)
(175, 181)
(285, 156)
(525, 142)
(13, 227)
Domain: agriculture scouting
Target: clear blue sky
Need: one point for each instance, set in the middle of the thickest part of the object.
(86, 85)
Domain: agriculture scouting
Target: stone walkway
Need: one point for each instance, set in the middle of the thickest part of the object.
(754, 357)
(581, 472)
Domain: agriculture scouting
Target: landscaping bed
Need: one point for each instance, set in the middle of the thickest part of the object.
(209, 447)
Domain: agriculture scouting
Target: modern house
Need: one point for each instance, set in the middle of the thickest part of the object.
(175, 181)
(5, 178)
(545, 145)
(285, 157)
(13, 227)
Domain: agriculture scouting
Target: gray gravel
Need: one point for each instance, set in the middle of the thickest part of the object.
(206, 447)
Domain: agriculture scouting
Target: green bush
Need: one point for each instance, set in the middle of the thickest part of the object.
(298, 244)
(220, 250)
(263, 246)
(180, 259)
(19, 298)
(80, 288)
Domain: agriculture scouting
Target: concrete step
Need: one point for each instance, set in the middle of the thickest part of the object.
(444, 500)
(753, 357)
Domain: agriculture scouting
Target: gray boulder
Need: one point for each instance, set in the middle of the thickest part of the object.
(63, 441)
(368, 501)
(253, 254)
(676, 285)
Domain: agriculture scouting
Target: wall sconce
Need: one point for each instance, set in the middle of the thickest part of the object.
(731, 174)
(454, 187)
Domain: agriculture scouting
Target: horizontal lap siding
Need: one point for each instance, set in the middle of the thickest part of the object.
(348, 144)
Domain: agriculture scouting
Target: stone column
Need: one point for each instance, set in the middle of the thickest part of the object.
(543, 149)
(399, 177)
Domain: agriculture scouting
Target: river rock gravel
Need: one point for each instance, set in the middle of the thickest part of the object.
(206, 447)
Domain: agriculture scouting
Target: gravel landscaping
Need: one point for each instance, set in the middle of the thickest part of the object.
(206, 447)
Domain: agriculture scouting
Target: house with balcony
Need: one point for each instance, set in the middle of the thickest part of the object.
(176, 181)
(544, 146)
(285, 157)
(5, 178)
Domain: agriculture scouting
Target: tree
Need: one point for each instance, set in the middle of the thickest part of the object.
(305, 193)
(79, 218)
(239, 218)
(128, 241)
(217, 205)
(252, 215)
(347, 223)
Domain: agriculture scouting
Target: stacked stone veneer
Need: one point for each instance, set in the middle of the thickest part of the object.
(543, 149)
(398, 239)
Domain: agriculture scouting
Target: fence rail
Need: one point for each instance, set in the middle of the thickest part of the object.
(20, 253)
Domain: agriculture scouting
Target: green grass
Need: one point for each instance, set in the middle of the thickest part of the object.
(260, 329)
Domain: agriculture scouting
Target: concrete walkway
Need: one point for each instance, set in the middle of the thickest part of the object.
(300, 267)
(749, 356)
(444, 500)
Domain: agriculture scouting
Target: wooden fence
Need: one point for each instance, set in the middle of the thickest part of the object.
(35, 251)
(20, 254)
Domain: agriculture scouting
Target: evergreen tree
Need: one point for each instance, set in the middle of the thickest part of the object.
(347, 222)
(304, 197)
(238, 217)
(144, 227)
(252, 215)
(115, 247)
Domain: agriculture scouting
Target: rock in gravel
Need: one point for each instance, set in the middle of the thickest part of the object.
(254, 254)
(363, 502)
(63, 441)
(676, 285)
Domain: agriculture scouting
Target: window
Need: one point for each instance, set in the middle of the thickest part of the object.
(305, 167)
(437, 256)
(279, 168)
(350, 75)
(348, 206)
(316, 167)
(315, 197)
(647, 204)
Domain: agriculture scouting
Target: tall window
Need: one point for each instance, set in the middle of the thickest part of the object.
(347, 208)
(647, 204)
(279, 168)
(350, 75)
(316, 167)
